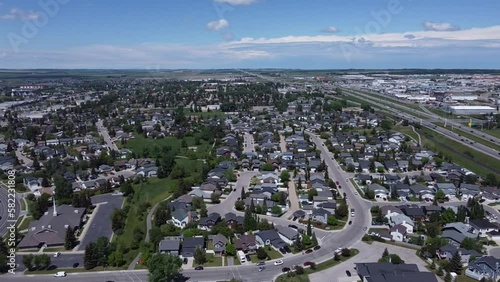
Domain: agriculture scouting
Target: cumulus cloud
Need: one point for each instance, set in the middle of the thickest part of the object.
(218, 24)
(18, 14)
(236, 2)
(440, 26)
(331, 29)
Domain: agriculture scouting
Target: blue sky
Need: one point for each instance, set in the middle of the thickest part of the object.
(172, 34)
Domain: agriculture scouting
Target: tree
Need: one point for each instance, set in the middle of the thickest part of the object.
(267, 167)
(243, 196)
(215, 197)
(314, 240)
(448, 216)
(455, 263)
(440, 195)
(118, 218)
(116, 259)
(230, 175)
(309, 228)
(70, 239)
(200, 256)
(239, 205)
(28, 261)
(470, 244)
(369, 194)
(346, 252)
(42, 261)
(299, 270)
(395, 259)
(285, 176)
(447, 277)
(230, 250)
(337, 257)
(331, 220)
(63, 188)
(311, 193)
(163, 267)
(385, 253)
(440, 271)
(127, 189)
(261, 253)
(90, 258)
(342, 210)
(276, 210)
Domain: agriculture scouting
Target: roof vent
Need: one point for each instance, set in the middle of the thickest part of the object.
(76, 211)
(49, 226)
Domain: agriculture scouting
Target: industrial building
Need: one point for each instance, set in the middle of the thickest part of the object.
(472, 110)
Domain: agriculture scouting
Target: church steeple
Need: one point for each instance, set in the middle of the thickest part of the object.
(54, 205)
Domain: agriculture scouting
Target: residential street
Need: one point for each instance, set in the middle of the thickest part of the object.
(249, 143)
(103, 131)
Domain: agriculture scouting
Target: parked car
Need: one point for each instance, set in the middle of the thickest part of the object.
(308, 263)
(57, 254)
(198, 267)
(278, 262)
(317, 248)
(308, 251)
(285, 269)
(185, 261)
(60, 274)
(293, 226)
(350, 222)
(261, 263)
(262, 268)
(348, 273)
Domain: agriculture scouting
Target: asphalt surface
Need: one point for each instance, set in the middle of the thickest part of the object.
(4, 216)
(64, 260)
(249, 143)
(427, 119)
(103, 131)
(100, 225)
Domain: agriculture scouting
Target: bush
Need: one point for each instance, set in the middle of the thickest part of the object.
(346, 252)
(261, 253)
(299, 270)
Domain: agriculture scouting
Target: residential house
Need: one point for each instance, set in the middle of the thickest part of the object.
(398, 233)
(246, 243)
(288, 234)
(170, 245)
(233, 220)
(484, 267)
(206, 223)
(388, 272)
(320, 215)
(402, 219)
(269, 238)
(379, 190)
(483, 226)
(456, 232)
(447, 252)
(181, 217)
(32, 183)
(219, 242)
(190, 244)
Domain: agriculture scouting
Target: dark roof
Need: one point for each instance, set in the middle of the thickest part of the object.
(482, 224)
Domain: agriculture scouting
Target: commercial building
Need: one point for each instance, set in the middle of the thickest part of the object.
(472, 110)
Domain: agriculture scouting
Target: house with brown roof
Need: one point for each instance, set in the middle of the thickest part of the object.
(246, 243)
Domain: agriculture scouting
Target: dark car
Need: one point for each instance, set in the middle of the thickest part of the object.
(261, 263)
(308, 251)
(285, 269)
(185, 261)
(287, 249)
(348, 273)
(293, 226)
(308, 263)
(75, 265)
(317, 248)
(350, 222)
(198, 268)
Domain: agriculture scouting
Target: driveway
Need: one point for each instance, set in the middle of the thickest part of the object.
(100, 223)
(367, 253)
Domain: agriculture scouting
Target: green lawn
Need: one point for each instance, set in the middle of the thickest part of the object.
(493, 132)
(470, 136)
(139, 144)
(210, 245)
(481, 164)
(407, 130)
(212, 261)
(72, 270)
(273, 254)
(156, 189)
(235, 260)
(26, 223)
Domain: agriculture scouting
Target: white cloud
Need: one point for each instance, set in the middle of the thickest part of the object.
(236, 2)
(218, 25)
(15, 14)
(440, 26)
(331, 29)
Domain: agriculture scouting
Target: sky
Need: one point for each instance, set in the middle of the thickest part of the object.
(206, 34)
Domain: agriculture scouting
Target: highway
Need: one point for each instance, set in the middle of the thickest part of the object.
(426, 114)
(425, 122)
(103, 131)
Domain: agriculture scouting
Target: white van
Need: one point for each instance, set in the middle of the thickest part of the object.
(60, 274)
(242, 256)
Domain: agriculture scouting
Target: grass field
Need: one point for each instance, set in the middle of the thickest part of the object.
(26, 223)
(139, 144)
(155, 189)
(212, 261)
(470, 136)
(406, 130)
(480, 163)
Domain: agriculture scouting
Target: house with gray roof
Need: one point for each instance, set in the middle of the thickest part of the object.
(379, 190)
(190, 244)
(269, 238)
(50, 229)
(447, 252)
(170, 245)
(288, 234)
(484, 267)
(388, 272)
(456, 232)
(320, 215)
(219, 242)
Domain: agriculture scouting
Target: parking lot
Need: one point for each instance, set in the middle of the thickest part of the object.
(367, 253)
(100, 225)
(62, 261)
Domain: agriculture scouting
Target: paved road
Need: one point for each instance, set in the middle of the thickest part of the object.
(103, 131)
(227, 205)
(249, 143)
(426, 120)
(24, 160)
(282, 143)
(64, 260)
(429, 115)
(330, 241)
(367, 253)
(5, 221)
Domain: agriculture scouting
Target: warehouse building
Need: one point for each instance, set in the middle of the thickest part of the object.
(472, 110)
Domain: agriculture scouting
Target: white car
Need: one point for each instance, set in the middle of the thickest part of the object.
(57, 254)
(338, 251)
(278, 262)
(60, 274)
